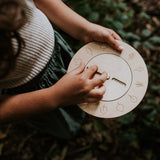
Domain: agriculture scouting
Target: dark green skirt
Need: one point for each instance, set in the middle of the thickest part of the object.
(62, 122)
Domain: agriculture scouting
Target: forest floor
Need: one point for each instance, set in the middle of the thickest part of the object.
(97, 139)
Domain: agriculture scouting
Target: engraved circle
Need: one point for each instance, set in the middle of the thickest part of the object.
(119, 72)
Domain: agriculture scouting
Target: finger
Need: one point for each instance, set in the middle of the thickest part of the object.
(93, 100)
(96, 95)
(115, 35)
(97, 92)
(99, 80)
(113, 43)
(78, 70)
(89, 72)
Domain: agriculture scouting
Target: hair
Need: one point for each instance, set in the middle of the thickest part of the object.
(12, 18)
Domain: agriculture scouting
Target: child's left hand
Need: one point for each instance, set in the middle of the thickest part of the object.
(101, 34)
(75, 25)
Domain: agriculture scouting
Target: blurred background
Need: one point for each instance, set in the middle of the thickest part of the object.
(134, 136)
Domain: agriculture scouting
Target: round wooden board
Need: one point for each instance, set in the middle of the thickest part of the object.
(128, 78)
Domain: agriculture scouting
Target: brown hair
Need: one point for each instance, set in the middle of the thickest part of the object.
(12, 18)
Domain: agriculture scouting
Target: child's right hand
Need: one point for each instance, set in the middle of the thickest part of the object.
(79, 86)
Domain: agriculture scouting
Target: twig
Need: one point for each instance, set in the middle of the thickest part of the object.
(50, 150)
(64, 153)
(80, 150)
(25, 140)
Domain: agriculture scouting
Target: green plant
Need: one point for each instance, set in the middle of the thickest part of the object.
(141, 126)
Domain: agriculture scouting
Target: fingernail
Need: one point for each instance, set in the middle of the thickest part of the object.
(105, 75)
(121, 47)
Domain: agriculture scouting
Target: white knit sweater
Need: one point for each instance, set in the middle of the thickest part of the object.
(38, 35)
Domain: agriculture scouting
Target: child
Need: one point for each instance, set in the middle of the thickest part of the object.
(33, 63)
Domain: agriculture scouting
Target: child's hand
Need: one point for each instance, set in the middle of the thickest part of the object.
(78, 86)
(75, 25)
(99, 33)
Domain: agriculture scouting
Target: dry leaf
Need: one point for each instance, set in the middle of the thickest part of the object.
(2, 135)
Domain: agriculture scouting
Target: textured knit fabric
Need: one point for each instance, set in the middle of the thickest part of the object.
(38, 35)
(62, 122)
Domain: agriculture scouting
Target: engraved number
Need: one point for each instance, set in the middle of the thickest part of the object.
(120, 107)
(131, 56)
(84, 106)
(89, 51)
(103, 109)
(133, 99)
(139, 69)
(139, 84)
(77, 61)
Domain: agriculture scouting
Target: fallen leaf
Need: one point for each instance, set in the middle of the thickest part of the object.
(2, 135)
(1, 148)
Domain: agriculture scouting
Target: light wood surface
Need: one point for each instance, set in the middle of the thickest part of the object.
(128, 78)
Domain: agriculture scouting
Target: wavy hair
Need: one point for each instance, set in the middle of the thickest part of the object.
(12, 18)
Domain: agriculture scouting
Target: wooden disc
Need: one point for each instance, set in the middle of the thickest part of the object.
(127, 78)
